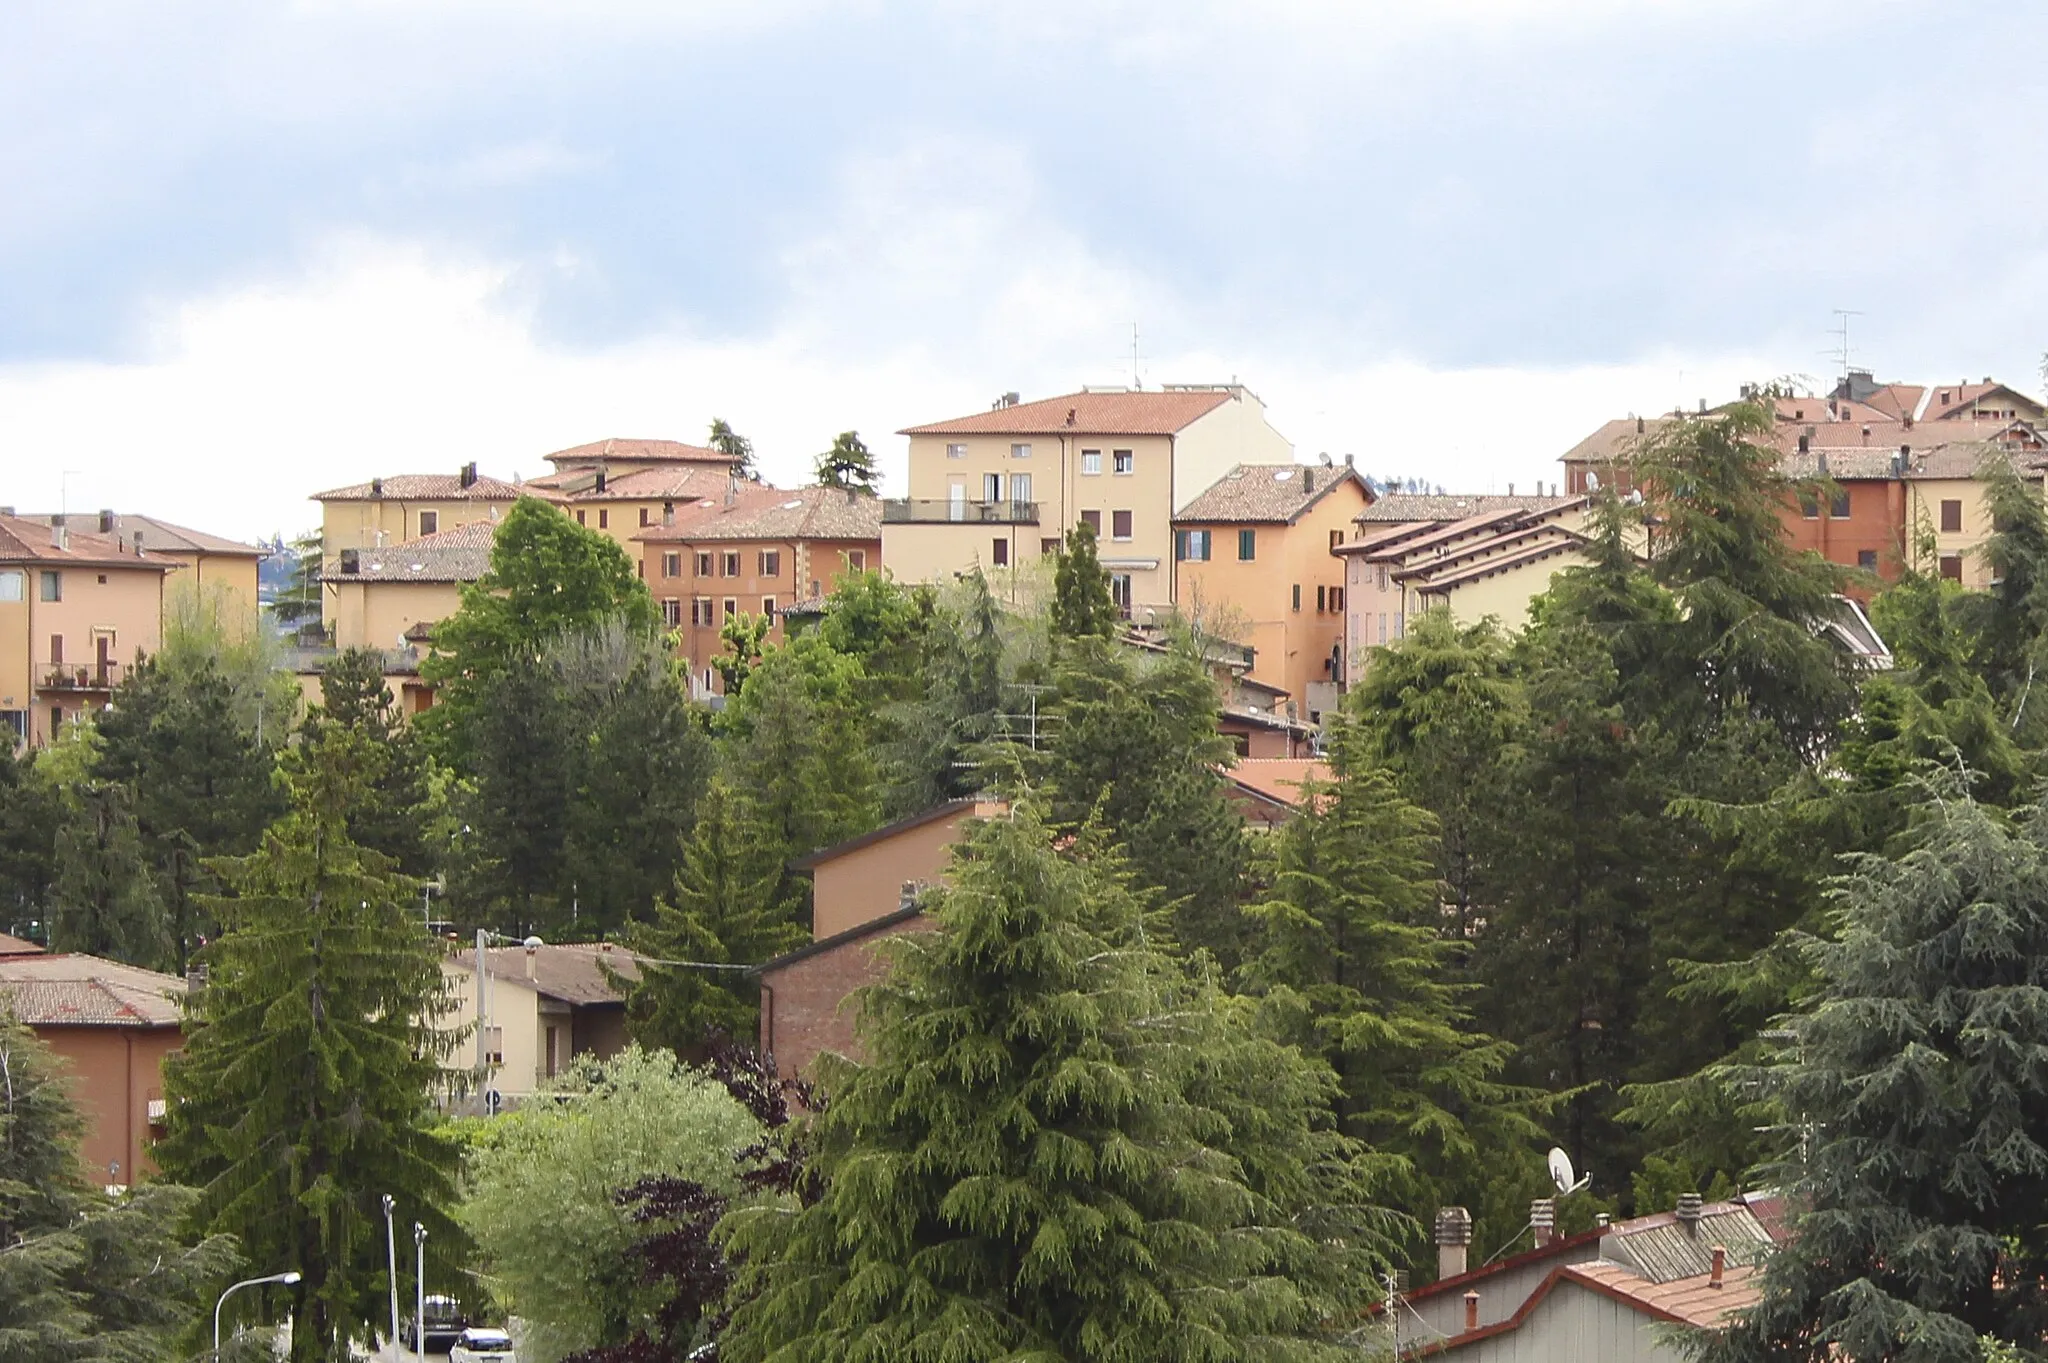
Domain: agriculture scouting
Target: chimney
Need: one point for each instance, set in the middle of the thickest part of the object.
(1899, 461)
(60, 538)
(1471, 1310)
(1639, 425)
(600, 481)
(1720, 1266)
(1453, 1241)
(1805, 444)
(1308, 481)
(351, 560)
(732, 487)
(1821, 464)
(106, 522)
(469, 474)
(1350, 461)
(1703, 406)
(668, 513)
(376, 487)
(1866, 435)
(530, 952)
(138, 541)
(1072, 415)
(1543, 1219)
(1689, 1212)
(1511, 489)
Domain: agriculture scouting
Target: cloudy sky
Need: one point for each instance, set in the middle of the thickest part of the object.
(250, 250)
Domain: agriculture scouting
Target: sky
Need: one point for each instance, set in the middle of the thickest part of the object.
(252, 250)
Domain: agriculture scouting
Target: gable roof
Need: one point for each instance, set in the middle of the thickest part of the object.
(766, 513)
(571, 972)
(663, 482)
(26, 541)
(459, 555)
(1277, 780)
(1268, 493)
(161, 536)
(1100, 412)
(1474, 570)
(63, 989)
(11, 945)
(1487, 523)
(638, 451)
(868, 928)
(1690, 1301)
(1409, 506)
(889, 830)
(426, 487)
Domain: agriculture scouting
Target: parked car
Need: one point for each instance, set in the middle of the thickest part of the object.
(482, 1344)
(444, 1321)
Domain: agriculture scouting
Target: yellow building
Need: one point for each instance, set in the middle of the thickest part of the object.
(528, 1012)
(75, 609)
(388, 598)
(1255, 562)
(201, 562)
(999, 489)
(622, 487)
(386, 511)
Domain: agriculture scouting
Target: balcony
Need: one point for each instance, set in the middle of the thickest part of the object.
(94, 676)
(934, 511)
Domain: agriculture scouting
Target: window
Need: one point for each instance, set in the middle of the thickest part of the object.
(671, 565)
(640, 568)
(1866, 559)
(1091, 461)
(1093, 520)
(646, 516)
(56, 650)
(1322, 599)
(430, 522)
(1809, 507)
(991, 487)
(1838, 505)
(1049, 545)
(1020, 451)
(1951, 520)
(56, 719)
(671, 611)
(956, 451)
(53, 585)
(703, 563)
(604, 519)
(1297, 596)
(1383, 627)
(1952, 567)
(1120, 591)
(731, 565)
(999, 553)
(857, 559)
(1337, 600)
(1191, 546)
(700, 611)
(1380, 577)
(732, 607)
(768, 608)
(771, 563)
(1120, 461)
(1119, 525)
(103, 579)
(1020, 487)
(11, 586)
(1247, 545)
(581, 516)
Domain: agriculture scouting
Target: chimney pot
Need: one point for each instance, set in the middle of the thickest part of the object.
(1543, 1219)
(351, 560)
(469, 474)
(376, 487)
(106, 522)
(1690, 1210)
(1805, 443)
(1471, 1310)
(1308, 481)
(1639, 425)
(1720, 1266)
(601, 480)
(1453, 1241)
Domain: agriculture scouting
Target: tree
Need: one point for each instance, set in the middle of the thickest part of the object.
(1061, 1147)
(521, 773)
(104, 903)
(544, 1187)
(31, 810)
(723, 910)
(299, 604)
(849, 465)
(391, 819)
(733, 446)
(303, 1092)
(1082, 606)
(1915, 1121)
(939, 734)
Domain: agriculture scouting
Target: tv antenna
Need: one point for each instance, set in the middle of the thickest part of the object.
(1842, 352)
(1136, 381)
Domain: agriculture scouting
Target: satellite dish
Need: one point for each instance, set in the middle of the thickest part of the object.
(1592, 482)
(1562, 1173)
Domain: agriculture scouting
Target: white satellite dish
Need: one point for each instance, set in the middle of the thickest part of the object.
(1563, 1175)
(1592, 482)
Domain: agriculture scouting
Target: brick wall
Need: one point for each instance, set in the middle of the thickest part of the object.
(806, 1008)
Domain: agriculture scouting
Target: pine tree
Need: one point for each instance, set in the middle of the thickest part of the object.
(1915, 1130)
(1060, 1148)
(354, 696)
(521, 773)
(939, 736)
(303, 1091)
(299, 604)
(849, 465)
(105, 903)
(733, 446)
(1082, 606)
(722, 910)
(31, 811)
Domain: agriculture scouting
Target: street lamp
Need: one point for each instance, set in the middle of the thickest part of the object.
(391, 1257)
(286, 1278)
(419, 1311)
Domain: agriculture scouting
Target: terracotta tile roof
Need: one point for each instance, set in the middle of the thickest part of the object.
(639, 452)
(667, 482)
(18, 946)
(766, 513)
(1409, 506)
(1931, 455)
(459, 555)
(1485, 524)
(64, 990)
(27, 541)
(426, 487)
(573, 972)
(159, 535)
(1150, 412)
(1692, 1300)
(1276, 493)
(1615, 439)
(1465, 569)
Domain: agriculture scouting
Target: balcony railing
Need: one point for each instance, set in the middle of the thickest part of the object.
(94, 676)
(934, 511)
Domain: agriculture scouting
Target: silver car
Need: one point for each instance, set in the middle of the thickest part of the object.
(482, 1344)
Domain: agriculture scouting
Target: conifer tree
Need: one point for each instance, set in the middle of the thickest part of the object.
(1081, 603)
(521, 773)
(105, 904)
(1060, 1148)
(31, 811)
(303, 1092)
(939, 736)
(848, 465)
(391, 820)
(733, 446)
(1915, 1115)
(723, 910)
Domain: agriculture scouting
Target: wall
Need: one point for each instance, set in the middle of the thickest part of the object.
(16, 691)
(1875, 525)
(116, 1072)
(806, 1010)
(1924, 497)
(805, 569)
(867, 883)
(1506, 596)
(370, 614)
(933, 551)
(1235, 433)
(127, 608)
(514, 1007)
(235, 573)
(1501, 1292)
(393, 520)
(622, 519)
(1574, 1325)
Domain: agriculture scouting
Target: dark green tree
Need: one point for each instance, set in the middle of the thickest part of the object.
(849, 464)
(1061, 1148)
(522, 772)
(104, 901)
(1081, 603)
(1915, 1117)
(939, 736)
(733, 446)
(392, 819)
(299, 603)
(31, 811)
(303, 1092)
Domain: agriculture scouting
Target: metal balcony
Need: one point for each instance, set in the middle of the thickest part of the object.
(935, 511)
(94, 676)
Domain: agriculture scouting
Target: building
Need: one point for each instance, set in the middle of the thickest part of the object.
(864, 891)
(542, 1007)
(999, 489)
(753, 550)
(1255, 561)
(1607, 1295)
(386, 598)
(388, 511)
(206, 563)
(75, 609)
(622, 487)
(1267, 790)
(113, 1024)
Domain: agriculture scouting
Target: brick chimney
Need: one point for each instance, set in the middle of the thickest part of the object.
(1471, 1310)
(1453, 1241)
(1714, 1278)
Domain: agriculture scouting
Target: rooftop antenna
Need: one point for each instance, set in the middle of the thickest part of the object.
(1562, 1174)
(1137, 383)
(1842, 353)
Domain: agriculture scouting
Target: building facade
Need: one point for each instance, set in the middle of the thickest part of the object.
(388, 511)
(541, 1008)
(203, 564)
(621, 487)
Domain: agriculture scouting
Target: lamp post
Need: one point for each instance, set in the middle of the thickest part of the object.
(419, 1310)
(391, 1257)
(286, 1278)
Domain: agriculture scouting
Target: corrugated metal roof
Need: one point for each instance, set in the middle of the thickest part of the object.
(1663, 1248)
